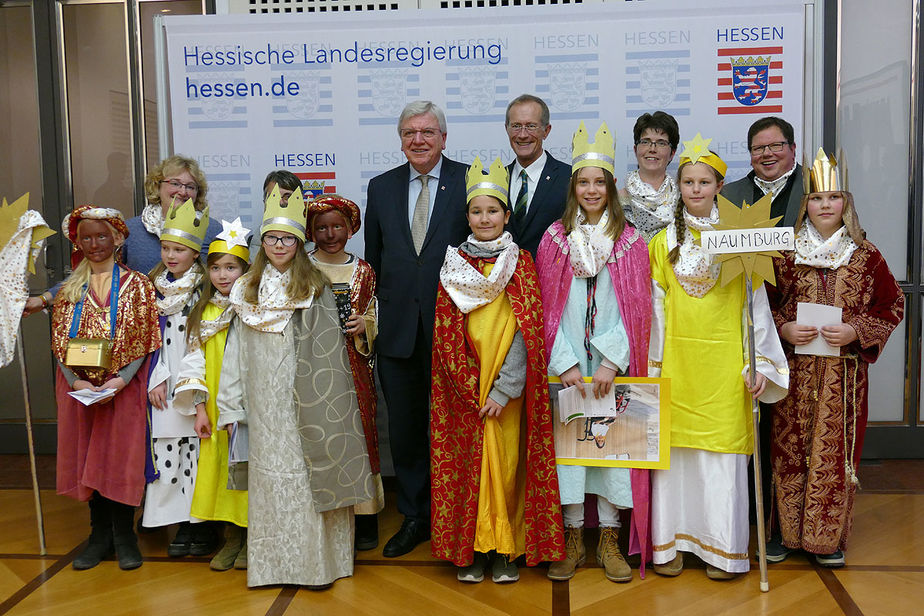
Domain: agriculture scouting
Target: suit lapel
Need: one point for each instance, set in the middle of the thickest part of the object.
(404, 178)
(543, 186)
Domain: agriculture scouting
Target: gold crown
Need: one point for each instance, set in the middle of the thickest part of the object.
(315, 185)
(696, 150)
(184, 227)
(602, 153)
(824, 174)
(289, 217)
(750, 61)
(493, 183)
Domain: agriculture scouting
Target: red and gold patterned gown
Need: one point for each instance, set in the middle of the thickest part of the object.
(817, 432)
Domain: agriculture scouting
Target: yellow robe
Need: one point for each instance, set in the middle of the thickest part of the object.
(212, 500)
(499, 525)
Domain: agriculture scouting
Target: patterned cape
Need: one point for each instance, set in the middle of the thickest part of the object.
(817, 433)
(362, 291)
(630, 272)
(456, 431)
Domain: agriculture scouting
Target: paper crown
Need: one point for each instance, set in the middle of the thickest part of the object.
(601, 153)
(696, 150)
(824, 174)
(232, 240)
(289, 217)
(494, 183)
(182, 226)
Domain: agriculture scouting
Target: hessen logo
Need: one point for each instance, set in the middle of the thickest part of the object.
(754, 87)
(316, 184)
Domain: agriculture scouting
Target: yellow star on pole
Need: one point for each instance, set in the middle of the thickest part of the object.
(756, 265)
(10, 213)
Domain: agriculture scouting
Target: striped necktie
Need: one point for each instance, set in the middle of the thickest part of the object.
(519, 210)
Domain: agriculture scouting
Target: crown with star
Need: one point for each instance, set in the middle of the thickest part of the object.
(825, 174)
(288, 217)
(601, 153)
(232, 240)
(184, 225)
(493, 183)
(696, 150)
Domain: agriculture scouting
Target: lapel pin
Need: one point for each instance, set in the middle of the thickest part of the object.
(442, 188)
(548, 177)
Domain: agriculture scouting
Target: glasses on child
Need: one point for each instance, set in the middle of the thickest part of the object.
(776, 148)
(286, 240)
(660, 143)
(176, 185)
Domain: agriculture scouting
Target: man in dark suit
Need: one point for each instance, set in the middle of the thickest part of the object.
(772, 144)
(539, 201)
(413, 212)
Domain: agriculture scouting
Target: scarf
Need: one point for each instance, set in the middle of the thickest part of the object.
(774, 186)
(694, 270)
(173, 295)
(273, 309)
(816, 251)
(152, 217)
(207, 328)
(590, 246)
(650, 210)
(467, 286)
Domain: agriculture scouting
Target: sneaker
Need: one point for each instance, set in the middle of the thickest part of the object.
(575, 555)
(610, 558)
(504, 570)
(473, 573)
(714, 573)
(833, 561)
(671, 569)
(776, 552)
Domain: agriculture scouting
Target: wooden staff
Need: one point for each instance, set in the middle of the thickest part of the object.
(755, 413)
(39, 517)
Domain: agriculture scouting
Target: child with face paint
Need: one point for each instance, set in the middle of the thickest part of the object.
(101, 447)
(197, 387)
(332, 220)
(699, 342)
(491, 425)
(175, 447)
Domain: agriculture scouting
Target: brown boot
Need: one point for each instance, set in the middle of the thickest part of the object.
(234, 541)
(575, 555)
(610, 558)
(671, 569)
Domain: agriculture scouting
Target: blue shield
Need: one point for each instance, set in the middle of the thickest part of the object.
(750, 82)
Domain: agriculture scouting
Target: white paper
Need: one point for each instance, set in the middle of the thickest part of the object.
(169, 423)
(818, 316)
(572, 406)
(87, 397)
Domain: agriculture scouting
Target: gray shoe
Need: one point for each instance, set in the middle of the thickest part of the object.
(504, 570)
(473, 573)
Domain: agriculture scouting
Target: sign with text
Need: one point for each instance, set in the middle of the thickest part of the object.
(748, 240)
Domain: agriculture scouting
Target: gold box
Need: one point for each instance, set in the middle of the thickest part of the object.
(88, 353)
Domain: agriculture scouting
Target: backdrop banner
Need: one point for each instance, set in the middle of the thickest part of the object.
(320, 94)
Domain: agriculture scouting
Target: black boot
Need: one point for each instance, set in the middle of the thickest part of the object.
(179, 547)
(204, 539)
(123, 535)
(367, 532)
(100, 542)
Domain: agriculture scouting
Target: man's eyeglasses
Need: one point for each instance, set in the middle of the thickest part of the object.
(176, 185)
(529, 128)
(427, 133)
(287, 240)
(757, 150)
(660, 143)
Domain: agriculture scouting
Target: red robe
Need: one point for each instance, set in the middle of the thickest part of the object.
(456, 431)
(362, 290)
(814, 433)
(101, 447)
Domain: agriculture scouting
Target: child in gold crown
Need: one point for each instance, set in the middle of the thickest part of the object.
(596, 298)
(175, 446)
(817, 432)
(700, 504)
(286, 375)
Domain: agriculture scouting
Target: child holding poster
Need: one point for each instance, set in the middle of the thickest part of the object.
(490, 426)
(817, 432)
(698, 341)
(596, 299)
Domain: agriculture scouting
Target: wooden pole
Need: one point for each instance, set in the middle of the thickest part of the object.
(39, 517)
(755, 413)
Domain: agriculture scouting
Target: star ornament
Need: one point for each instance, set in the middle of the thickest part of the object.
(758, 266)
(695, 148)
(233, 233)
